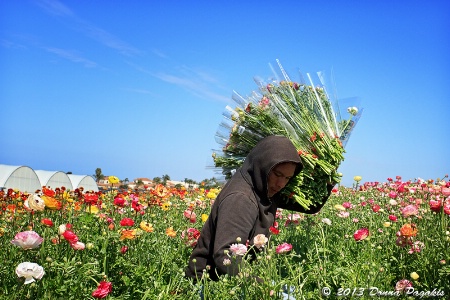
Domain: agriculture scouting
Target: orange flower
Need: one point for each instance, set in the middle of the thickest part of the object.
(51, 202)
(129, 234)
(408, 230)
(170, 232)
(161, 191)
(146, 226)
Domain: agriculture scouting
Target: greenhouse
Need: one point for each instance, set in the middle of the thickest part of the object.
(28, 180)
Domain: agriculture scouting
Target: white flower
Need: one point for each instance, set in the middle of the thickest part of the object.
(326, 221)
(393, 202)
(226, 262)
(260, 240)
(30, 271)
(62, 228)
(35, 202)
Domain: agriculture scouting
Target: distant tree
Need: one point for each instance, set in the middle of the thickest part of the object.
(126, 180)
(165, 178)
(139, 183)
(98, 175)
(157, 180)
(68, 173)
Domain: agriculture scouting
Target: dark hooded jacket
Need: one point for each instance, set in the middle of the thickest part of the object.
(243, 209)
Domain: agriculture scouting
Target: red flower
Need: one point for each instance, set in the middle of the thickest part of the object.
(91, 198)
(71, 237)
(126, 222)
(376, 208)
(435, 205)
(47, 222)
(393, 218)
(103, 289)
(361, 234)
(119, 201)
(447, 208)
(124, 249)
(274, 230)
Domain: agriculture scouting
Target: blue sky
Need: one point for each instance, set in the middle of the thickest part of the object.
(138, 88)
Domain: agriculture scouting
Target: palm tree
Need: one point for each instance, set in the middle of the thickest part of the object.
(98, 175)
(165, 178)
(157, 180)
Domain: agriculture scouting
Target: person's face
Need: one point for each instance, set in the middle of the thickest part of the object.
(279, 176)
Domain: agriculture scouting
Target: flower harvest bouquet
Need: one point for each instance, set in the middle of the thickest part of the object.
(302, 112)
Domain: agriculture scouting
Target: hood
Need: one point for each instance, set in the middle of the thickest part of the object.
(268, 153)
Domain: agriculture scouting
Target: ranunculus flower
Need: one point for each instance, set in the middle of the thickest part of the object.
(375, 208)
(113, 179)
(62, 228)
(51, 202)
(409, 210)
(347, 205)
(31, 271)
(447, 208)
(283, 248)
(401, 285)
(445, 191)
(103, 290)
(90, 198)
(414, 275)
(238, 249)
(190, 236)
(124, 249)
(70, 236)
(78, 246)
(47, 222)
(127, 234)
(119, 201)
(393, 218)
(392, 195)
(170, 232)
(274, 230)
(204, 218)
(27, 240)
(190, 214)
(408, 230)
(361, 234)
(35, 202)
(260, 240)
(435, 205)
(126, 222)
(326, 221)
(146, 226)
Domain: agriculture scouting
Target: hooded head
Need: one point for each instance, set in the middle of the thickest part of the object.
(264, 157)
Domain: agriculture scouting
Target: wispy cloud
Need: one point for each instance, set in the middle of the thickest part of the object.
(199, 84)
(72, 56)
(100, 35)
(11, 45)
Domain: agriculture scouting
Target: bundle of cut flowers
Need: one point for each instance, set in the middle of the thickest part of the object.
(303, 112)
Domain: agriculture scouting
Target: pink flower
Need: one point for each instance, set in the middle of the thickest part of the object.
(190, 214)
(103, 289)
(445, 191)
(27, 240)
(416, 247)
(361, 234)
(347, 205)
(343, 214)
(392, 195)
(78, 246)
(410, 210)
(401, 285)
(238, 249)
(283, 248)
(447, 208)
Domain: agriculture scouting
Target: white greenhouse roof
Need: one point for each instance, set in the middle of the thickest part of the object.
(22, 178)
(25, 179)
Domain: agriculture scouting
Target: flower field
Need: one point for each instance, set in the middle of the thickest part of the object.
(389, 239)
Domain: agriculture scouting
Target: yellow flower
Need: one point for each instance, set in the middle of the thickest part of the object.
(357, 178)
(113, 179)
(165, 206)
(51, 202)
(339, 207)
(414, 275)
(170, 232)
(211, 195)
(146, 226)
(93, 209)
(2, 231)
(387, 224)
(204, 218)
